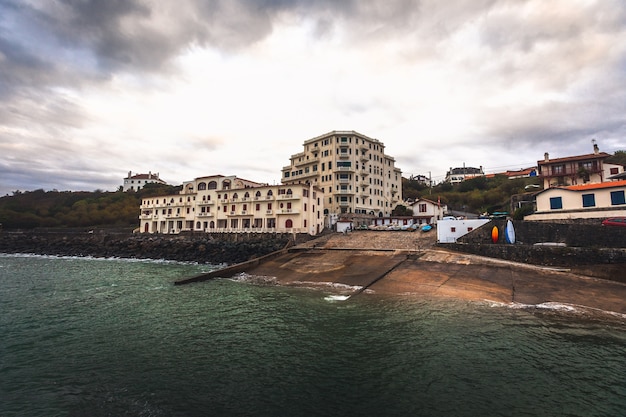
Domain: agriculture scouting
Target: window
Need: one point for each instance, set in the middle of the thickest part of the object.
(556, 203)
(201, 186)
(212, 185)
(614, 171)
(589, 200)
(558, 169)
(617, 198)
(422, 208)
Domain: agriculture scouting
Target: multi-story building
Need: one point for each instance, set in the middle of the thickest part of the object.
(227, 204)
(138, 181)
(573, 170)
(353, 172)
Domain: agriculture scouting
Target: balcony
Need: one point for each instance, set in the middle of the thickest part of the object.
(288, 197)
(364, 173)
(345, 192)
(344, 155)
(206, 214)
(364, 158)
(344, 204)
(363, 184)
(268, 211)
(345, 169)
(288, 211)
(345, 180)
(206, 202)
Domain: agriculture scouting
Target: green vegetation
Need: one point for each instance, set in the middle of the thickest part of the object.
(30, 209)
(476, 195)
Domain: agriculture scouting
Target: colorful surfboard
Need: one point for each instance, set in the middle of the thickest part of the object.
(509, 232)
(494, 234)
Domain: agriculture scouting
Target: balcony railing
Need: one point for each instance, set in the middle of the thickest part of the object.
(288, 196)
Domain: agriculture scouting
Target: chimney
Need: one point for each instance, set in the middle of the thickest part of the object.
(546, 156)
(596, 150)
(130, 174)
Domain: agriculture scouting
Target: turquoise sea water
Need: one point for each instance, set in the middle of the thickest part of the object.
(87, 337)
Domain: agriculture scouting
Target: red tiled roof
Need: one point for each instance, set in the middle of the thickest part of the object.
(596, 186)
(601, 155)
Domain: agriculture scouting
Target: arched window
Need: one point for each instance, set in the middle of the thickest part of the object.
(246, 195)
(212, 225)
(198, 225)
(226, 185)
(289, 191)
(270, 193)
(258, 194)
(213, 185)
(235, 196)
(288, 224)
(202, 186)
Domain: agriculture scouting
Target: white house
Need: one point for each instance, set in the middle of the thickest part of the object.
(136, 182)
(585, 201)
(428, 211)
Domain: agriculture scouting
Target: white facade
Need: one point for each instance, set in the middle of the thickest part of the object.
(138, 181)
(587, 201)
(448, 231)
(353, 172)
(219, 204)
(428, 210)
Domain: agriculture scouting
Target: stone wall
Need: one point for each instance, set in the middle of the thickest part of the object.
(201, 248)
(571, 234)
(597, 250)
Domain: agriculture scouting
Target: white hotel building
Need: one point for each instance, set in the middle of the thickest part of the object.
(227, 204)
(353, 172)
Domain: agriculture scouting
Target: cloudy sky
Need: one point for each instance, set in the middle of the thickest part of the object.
(92, 89)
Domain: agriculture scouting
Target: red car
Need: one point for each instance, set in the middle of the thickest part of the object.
(614, 221)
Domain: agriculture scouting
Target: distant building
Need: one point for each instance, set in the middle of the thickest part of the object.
(353, 172)
(456, 175)
(136, 182)
(228, 204)
(421, 179)
(522, 173)
(573, 170)
(583, 201)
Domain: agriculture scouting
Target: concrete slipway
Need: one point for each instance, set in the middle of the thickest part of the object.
(409, 264)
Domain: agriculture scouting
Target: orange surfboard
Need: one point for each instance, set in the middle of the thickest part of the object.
(494, 234)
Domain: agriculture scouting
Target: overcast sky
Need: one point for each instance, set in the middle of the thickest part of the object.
(92, 89)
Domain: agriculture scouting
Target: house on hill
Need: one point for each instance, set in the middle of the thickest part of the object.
(136, 182)
(574, 170)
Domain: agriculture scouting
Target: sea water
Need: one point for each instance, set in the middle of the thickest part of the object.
(92, 337)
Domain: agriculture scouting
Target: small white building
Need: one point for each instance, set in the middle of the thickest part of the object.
(428, 211)
(585, 201)
(136, 182)
(448, 231)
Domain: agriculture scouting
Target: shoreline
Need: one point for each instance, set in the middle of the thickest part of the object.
(387, 263)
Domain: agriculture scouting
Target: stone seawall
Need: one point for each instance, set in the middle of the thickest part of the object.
(201, 248)
(589, 249)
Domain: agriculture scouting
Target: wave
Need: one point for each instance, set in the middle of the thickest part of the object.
(559, 307)
(110, 258)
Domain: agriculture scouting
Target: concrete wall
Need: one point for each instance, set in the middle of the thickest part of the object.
(586, 244)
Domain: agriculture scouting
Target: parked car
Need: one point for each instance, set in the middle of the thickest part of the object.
(614, 221)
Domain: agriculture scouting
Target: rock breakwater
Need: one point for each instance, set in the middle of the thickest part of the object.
(202, 248)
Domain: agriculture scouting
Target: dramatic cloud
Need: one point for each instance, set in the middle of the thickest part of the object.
(90, 89)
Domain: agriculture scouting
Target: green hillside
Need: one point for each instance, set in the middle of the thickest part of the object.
(39, 208)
